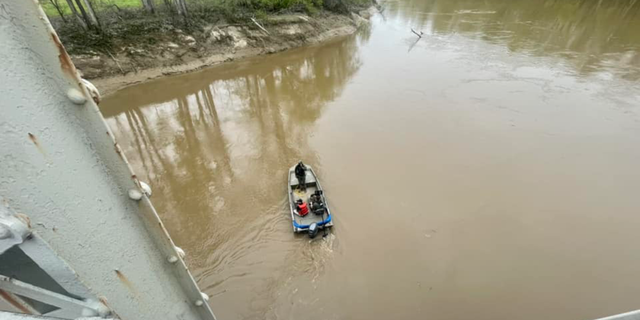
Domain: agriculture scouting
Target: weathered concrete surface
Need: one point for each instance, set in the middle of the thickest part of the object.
(62, 169)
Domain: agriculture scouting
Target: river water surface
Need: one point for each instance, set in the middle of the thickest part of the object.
(489, 170)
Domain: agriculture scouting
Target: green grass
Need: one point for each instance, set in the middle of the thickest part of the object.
(99, 5)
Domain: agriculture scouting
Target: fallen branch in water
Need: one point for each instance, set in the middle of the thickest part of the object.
(259, 26)
(417, 34)
(413, 45)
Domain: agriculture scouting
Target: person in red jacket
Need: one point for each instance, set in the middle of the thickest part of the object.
(302, 208)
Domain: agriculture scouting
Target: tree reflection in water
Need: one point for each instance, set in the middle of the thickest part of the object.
(214, 145)
(591, 35)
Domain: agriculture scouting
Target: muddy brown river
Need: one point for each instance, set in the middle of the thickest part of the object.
(489, 170)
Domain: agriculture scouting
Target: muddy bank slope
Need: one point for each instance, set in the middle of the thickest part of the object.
(177, 52)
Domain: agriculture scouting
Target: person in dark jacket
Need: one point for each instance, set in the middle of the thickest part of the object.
(316, 203)
(301, 175)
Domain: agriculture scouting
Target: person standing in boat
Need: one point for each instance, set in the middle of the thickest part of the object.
(301, 175)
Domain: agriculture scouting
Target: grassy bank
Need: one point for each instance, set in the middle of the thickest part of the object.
(128, 43)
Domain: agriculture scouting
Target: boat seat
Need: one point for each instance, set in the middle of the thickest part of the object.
(310, 179)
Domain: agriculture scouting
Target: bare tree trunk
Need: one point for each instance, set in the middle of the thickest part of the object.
(56, 5)
(181, 7)
(84, 14)
(74, 12)
(148, 5)
(169, 5)
(178, 7)
(184, 7)
(91, 14)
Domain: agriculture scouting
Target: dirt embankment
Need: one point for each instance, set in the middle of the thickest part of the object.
(177, 52)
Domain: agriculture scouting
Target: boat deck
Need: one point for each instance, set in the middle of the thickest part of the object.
(311, 179)
(311, 217)
(312, 186)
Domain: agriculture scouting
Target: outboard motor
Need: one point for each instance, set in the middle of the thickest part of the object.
(313, 230)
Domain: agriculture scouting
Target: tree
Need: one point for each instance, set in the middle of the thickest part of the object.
(168, 5)
(75, 13)
(92, 14)
(84, 13)
(181, 7)
(88, 15)
(56, 5)
(149, 6)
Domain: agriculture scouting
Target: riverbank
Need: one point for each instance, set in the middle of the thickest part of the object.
(176, 51)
